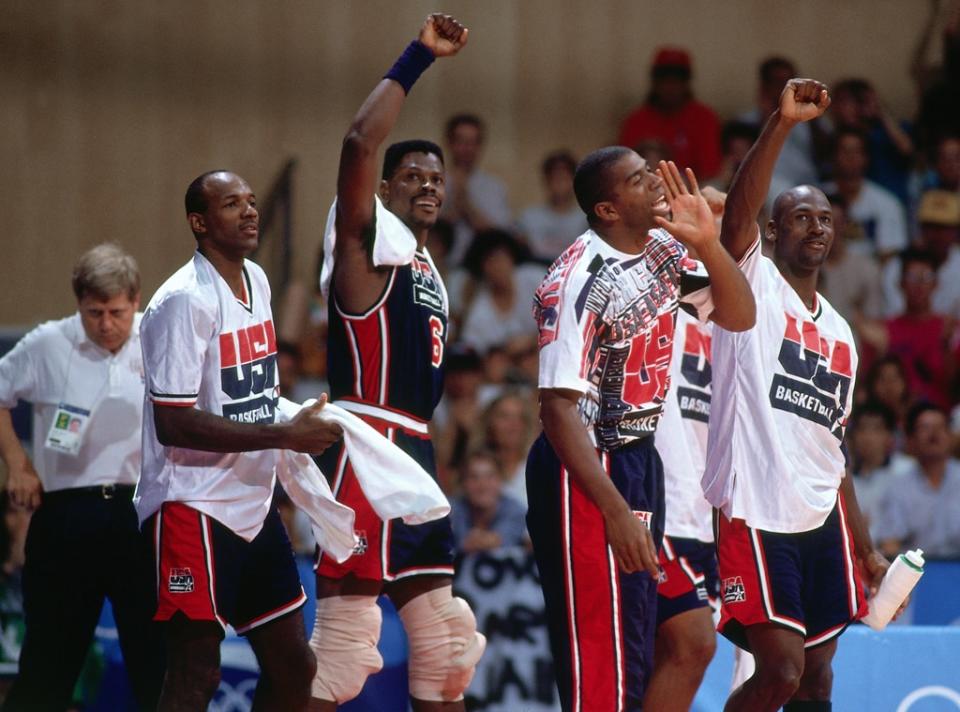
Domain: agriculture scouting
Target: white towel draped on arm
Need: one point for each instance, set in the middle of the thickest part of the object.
(391, 480)
(393, 243)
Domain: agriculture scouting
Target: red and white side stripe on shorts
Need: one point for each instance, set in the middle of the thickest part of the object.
(671, 555)
(274, 614)
(598, 660)
(849, 572)
(199, 609)
(766, 588)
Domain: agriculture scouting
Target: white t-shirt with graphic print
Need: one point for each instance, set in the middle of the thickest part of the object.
(606, 323)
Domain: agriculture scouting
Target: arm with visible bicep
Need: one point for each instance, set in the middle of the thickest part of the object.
(23, 482)
(801, 100)
(175, 336)
(693, 222)
(187, 427)
(629, 538)
(359, 280)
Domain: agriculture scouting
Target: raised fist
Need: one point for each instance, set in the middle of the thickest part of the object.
(443, 35)
(804, 100)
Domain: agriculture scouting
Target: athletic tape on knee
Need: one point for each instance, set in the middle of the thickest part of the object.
(344, 640)
(444, 645)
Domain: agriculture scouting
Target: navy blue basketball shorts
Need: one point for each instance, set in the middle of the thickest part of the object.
(601, 621)
(208, 573)
(688, 577)
(807, 582)
(388, 550)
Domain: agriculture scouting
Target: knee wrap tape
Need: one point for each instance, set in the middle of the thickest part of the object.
(444, 645)
(345, 642)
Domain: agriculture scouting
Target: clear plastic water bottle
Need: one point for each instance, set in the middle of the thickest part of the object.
(896, 585)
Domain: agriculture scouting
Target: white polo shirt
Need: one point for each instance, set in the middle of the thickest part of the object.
(57, 363)
(204, 348)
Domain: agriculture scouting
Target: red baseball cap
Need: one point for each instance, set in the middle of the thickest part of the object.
(672, 57)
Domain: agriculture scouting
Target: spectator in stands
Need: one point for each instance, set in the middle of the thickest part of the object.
(939, 217)
(875, 209)
(475, 200)
(483, 517)
(940, 101)
(440, 241)
(13, 537)
(496, 367)
(874, 463)
(524, 361)
(946, 164)
(942, 170)
(550, 227)
(458, 411)
(735, 140)
(797, 162)
(850, 282)
(497, 303)
(506, 428)
(290, 371)
(921, 338)
(856, 106)
(302, 321)
(501, 366)
(688, 127)
(886, 383)
(924, 511)
(439, 244)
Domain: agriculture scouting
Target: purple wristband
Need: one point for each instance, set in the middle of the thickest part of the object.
(410, 65)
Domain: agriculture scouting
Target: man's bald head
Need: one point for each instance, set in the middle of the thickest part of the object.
(801, 228)
(788, 199)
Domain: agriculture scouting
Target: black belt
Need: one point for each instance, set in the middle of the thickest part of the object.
(98, 491)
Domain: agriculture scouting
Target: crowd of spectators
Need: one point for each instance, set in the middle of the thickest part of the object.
(894, 273)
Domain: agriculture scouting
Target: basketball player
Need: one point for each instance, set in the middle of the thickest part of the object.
(789, 532)
(205, 496)
(606, 313)
(688, 589)
(388, 323)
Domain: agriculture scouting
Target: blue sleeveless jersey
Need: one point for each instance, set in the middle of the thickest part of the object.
(392, 354)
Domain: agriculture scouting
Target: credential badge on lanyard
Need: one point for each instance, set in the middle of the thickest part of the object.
(70, 421)
(67, 429)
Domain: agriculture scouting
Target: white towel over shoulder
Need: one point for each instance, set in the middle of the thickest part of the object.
(393, 243)
(392, 481)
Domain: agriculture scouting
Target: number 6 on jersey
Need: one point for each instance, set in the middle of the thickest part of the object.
(436, 337)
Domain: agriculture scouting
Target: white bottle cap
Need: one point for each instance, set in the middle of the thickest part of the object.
(914, 558)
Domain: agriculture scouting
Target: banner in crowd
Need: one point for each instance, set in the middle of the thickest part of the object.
(516, 672)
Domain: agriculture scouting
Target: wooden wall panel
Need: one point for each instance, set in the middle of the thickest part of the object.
(110, 107)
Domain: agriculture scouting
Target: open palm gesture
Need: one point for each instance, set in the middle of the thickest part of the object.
(692, 222)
